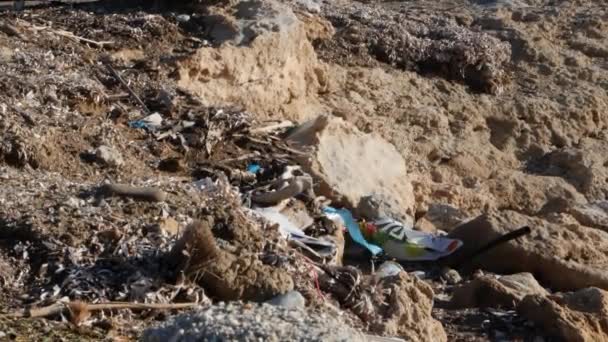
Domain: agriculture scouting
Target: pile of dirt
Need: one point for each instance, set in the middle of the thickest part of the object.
(431, 43)
(264, 62)
(470, 117)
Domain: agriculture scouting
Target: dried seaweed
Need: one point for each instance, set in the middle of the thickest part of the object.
(430, 44)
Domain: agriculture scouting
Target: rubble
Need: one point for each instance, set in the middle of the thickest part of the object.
(496, 292)
(108, 156)
(249, 322)
(571, 316)
(563, 259)
(406, 309)
(155, 161)
(451, 276)
(353, 165)
(264, 62)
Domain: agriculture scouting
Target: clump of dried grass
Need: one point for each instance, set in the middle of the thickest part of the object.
(195, 249)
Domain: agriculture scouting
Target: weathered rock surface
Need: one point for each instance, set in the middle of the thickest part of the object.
(373, 207)
(532, 194)
(264, 62)
(440, 216)
(563, 257)
(291, 299)
(353, 164)
(224, 274)
(403, 309)
(584, 167)
(252, 322)
(580, 316)
(503, 292)
(109, 156)
(594, 214)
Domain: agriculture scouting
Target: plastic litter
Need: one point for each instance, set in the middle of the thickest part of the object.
(346, 218)
(323, 248)
(393, 238)
(182, 18)
(206, 185)
(151, 121)
(404, 243)
(254, 168)
(389, 269)
(291, 299)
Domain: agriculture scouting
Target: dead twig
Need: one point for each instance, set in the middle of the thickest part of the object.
(492, 244)
(295, 186)
(78, 309)
(68, 34)
(271, 128)
(142, 193)
(10, 30)
(62, 33)
(107, 62)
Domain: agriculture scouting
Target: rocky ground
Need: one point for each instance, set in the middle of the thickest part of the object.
(470, 118)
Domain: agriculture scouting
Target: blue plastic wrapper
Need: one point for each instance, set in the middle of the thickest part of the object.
(138, 124)
(353, 228)
(254, 168)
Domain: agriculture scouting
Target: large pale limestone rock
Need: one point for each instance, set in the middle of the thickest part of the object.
(489, 291)
(593, 214)
(264, 62)
(561, 256)
(352, 164)
(403, 308)
(533, 194)
(580, 316)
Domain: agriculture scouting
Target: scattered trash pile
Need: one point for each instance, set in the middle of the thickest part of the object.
(136, 204)
(268, 226)
(244, 211)
(254, 227)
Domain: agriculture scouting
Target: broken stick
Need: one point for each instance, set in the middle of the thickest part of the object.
(68, 34)
(295, 186)
(273, 127)
(10, 30)
(493, 244)
(143, 193)
(79, 309)
(106, 60)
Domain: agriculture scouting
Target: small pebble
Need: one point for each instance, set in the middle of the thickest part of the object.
(73, 202)
(108, 156)
(451, 276)
(169, 226)
(388, 269)
(419, 274)
(291, 299)
(183, 18)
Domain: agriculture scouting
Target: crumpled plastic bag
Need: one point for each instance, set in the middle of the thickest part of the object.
(394, 238)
